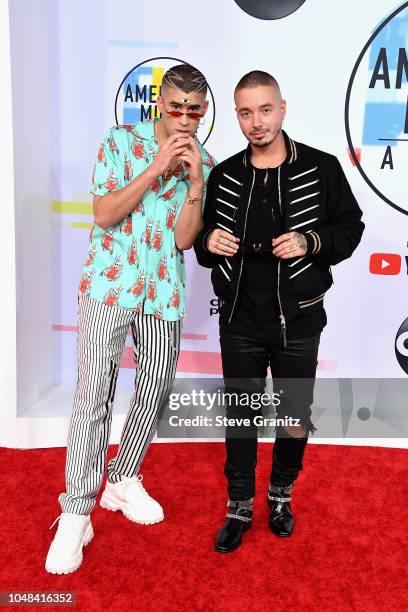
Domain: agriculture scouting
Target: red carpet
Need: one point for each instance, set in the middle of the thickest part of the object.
(354, 558)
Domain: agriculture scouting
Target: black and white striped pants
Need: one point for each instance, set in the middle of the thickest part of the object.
(102, 333)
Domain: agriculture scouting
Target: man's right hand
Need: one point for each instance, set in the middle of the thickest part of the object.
(222, 243)
(168, 152)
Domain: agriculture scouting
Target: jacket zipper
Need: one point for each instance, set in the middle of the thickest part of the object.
(281, 316)
(243, 240)
(279, 190)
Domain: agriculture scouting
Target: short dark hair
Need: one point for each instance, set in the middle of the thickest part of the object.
(256, 78)
(185, 77)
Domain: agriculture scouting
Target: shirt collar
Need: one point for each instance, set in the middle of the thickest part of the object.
(145, 130)
(291, 152)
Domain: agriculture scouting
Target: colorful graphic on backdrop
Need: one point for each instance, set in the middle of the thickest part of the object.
(401, 346)
(136, 98)
(376, 112)
(269, 9)
(385, 263)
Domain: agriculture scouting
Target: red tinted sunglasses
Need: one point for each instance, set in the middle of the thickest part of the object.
(190, 114)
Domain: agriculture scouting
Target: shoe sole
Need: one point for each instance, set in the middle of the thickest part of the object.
(230, 550)
(104, 503)
(72, 568)
(281, 535)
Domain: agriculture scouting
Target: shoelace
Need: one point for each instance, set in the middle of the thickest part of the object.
(135, 480)
(66, 518)
(57, 519)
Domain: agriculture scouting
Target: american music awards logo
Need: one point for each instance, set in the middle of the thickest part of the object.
(136, 97)
(376, 111)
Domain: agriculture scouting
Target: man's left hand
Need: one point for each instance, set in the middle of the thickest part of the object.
(289, 245)
(192, 157)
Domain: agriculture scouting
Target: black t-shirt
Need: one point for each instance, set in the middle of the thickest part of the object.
(264, 218)
(257, 308)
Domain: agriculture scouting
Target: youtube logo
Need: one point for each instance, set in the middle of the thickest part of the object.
(385, 263)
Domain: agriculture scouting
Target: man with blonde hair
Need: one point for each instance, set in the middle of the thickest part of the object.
(148, 185)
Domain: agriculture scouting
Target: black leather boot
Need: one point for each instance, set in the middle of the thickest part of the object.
(281, 519)
(239, 519)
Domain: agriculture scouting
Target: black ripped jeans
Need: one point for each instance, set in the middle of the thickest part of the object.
(293, 372)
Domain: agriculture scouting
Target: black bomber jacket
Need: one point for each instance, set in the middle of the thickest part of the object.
(315, 199)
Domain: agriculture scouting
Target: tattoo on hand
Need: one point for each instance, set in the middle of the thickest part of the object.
(300, 240)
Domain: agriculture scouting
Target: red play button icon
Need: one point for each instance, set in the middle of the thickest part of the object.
(385, 263)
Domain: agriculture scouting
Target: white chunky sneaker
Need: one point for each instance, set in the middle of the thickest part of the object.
(65, 553)
(130, 496)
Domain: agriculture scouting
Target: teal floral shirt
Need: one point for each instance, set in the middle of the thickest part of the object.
(136, 264)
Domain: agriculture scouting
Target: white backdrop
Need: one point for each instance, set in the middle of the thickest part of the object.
(86, 50)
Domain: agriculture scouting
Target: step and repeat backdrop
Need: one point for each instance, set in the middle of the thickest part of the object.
(343, 70)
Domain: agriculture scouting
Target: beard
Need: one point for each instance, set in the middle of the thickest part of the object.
(267, 139)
